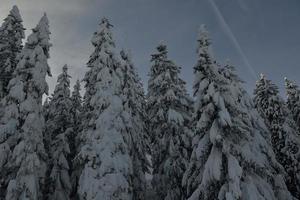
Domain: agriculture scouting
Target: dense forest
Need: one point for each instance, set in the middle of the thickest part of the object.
(117, 142)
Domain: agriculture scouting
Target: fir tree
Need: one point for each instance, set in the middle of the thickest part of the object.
(106, 166)
(27, 164)
(76, 118)
(231, 158)
(58, 127)
(293, 100)
(46, 107)
(11, 35)
(285, 137)
(134, 103)
(169, 108)
(76, 107)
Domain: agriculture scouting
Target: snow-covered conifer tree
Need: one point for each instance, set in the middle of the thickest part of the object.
(104, 157)
(76, 113)
(169, 111)
(231, 158)
(285, 136)
(238, 92)
(46, 107)
(134, 105)
(76, 117)
(58, 126)
(293, 100)
(76, 106)
(23, 119)
(11, 35)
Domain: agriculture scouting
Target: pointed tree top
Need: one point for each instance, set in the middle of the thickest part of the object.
(44, 19)
(64, 72)
(162, 47)
(289, 83)
(105, 22)
(262, 80)
(16, 13)
(262, 76)
(41, 35)
(76, 87)
(65, 68)
(43, 24)
(203, 28)
(266, 83)
(286, 80)
(162, 52)
(203, 32)
(103, 35)
(204, 43)
(14, 19)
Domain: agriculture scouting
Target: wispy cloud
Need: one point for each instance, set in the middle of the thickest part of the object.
(226, 28)
(140, 24)
(243, 5)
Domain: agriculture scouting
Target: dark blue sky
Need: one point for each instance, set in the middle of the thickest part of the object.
(257, 36)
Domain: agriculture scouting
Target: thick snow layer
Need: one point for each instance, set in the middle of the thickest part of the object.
(174, 116)
(213, 166)
(232, 155)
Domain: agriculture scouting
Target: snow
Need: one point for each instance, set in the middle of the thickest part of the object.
(117, 143)
(213, 167)
(11, 36)
(28, 157)
(169, 112)
(174, 116)
(228, 131)
(215, 133)
(104, 155)
(284, 132)
(234, 175)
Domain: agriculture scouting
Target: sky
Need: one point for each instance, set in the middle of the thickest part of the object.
(256, 36)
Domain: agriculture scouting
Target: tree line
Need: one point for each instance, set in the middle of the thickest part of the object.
(221, 143)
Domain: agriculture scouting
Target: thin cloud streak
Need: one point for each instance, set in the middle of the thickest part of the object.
(232, 37)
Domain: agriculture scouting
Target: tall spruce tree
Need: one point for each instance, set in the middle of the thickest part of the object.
(46, 106)
(76, 117)
(168, 109)
(76, 120)
(23, 119)
(285, 136)
(104, 157)
(293, 100)
(231, 158)
(76, 108)
(11, 36)
(134, 105)
(58, 127)
(238, 92)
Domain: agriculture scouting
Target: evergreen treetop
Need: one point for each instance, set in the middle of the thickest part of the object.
(231, 159)
(27, 88)
(11, 36)
(106, 166)
(284, 133)
(169, 112)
